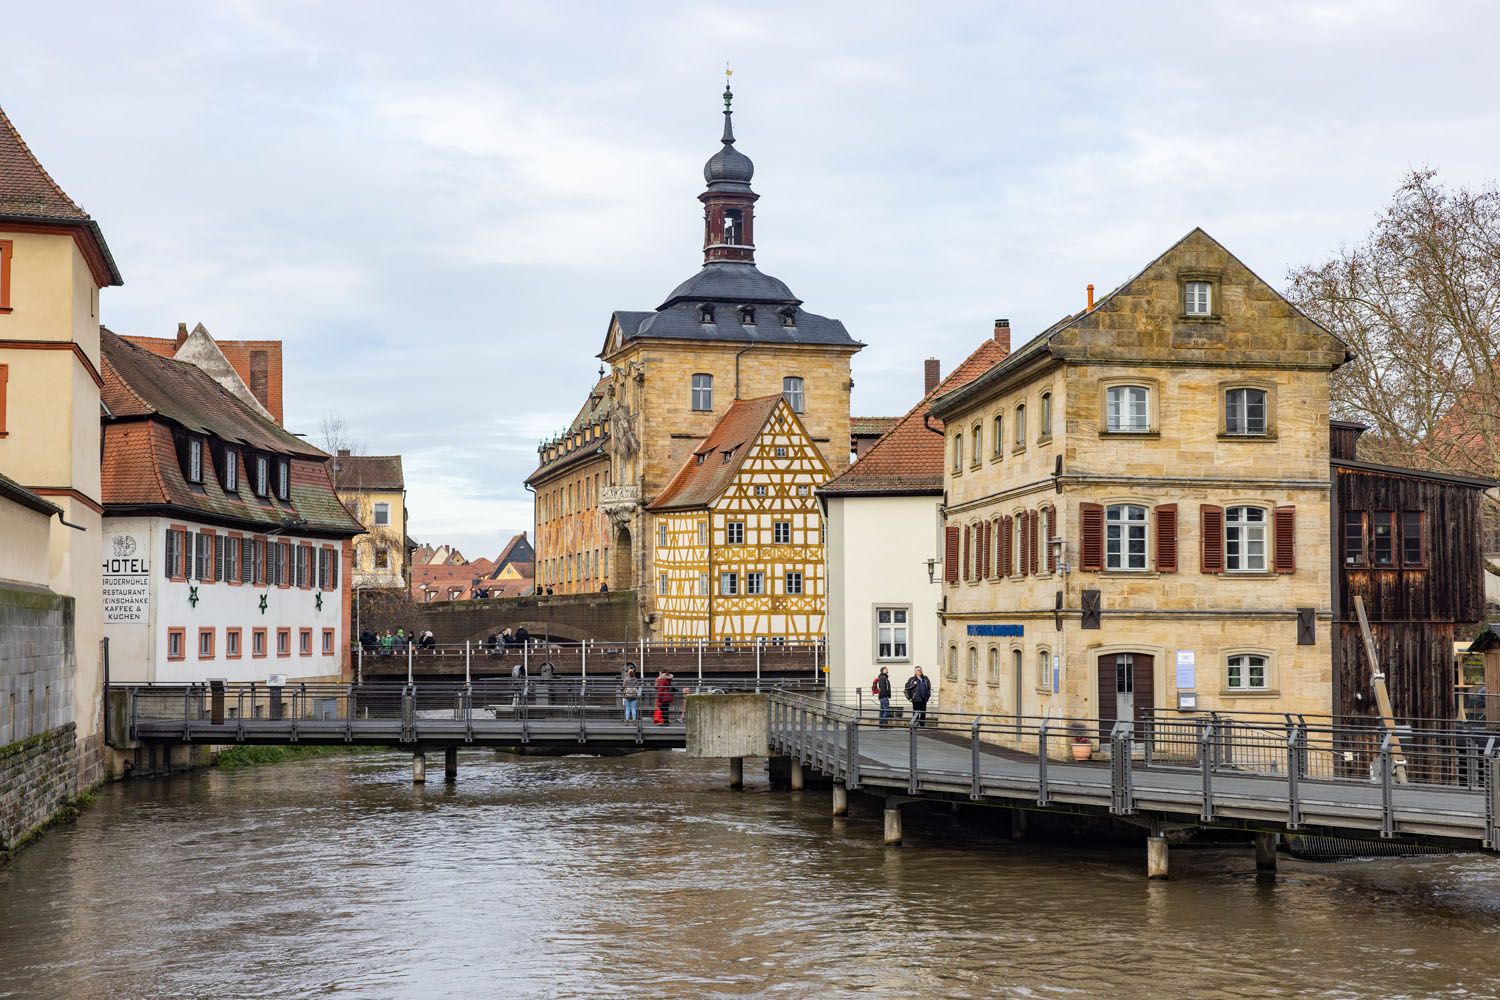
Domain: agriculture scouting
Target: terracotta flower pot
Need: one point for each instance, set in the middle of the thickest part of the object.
(1082, 751)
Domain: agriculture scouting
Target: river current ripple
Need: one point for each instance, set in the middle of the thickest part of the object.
(644, 876)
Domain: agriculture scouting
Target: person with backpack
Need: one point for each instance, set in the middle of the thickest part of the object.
(881, 688)
(918, 690)
(631, 690)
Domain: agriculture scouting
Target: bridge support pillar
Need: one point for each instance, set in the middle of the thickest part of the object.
(419, 768)
(1156, 857)
(1018, 824)
(736, 772)
(840, 799)
(779, 773)
(797, 776)
(450, 765)
(1265, 853)
(892, 824)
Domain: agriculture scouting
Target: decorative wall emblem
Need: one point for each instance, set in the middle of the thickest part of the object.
(124, 545)
(263, 604)
(193, 595)
(318, 600)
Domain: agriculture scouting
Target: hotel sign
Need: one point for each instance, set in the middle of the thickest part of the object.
(127, 579)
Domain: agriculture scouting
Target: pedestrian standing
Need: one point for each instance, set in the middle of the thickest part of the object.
(882, 690)
(918, 690)
(632, 693)
(663, 698)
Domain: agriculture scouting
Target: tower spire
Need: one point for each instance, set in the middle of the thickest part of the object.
(728, 139)
(728, 203)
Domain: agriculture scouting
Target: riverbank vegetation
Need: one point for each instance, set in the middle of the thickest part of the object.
(250, 756)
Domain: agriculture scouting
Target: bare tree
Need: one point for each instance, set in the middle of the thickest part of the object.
(334, 435)
(1418, 302)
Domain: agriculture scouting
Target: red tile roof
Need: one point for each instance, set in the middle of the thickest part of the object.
(152, 400)
(28, 192)
(368, 472)
(240, 354)
(909, 457)
(714, 463)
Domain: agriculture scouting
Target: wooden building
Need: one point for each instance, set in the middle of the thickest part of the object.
(1408, 542)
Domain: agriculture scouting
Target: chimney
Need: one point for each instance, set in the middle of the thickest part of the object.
(1091, 296)
(931, 375)
(181, 333)
(1002, 334)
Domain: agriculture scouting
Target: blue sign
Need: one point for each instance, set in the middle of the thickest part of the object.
(993, 630)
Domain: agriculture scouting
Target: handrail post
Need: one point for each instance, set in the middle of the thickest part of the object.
(1387, 789)
(468, 656)
(359, 664)
(911, 778)
(583, 662)
(853, 741)
(1205, 762)
(700, 662)
(1294, 740)
(409, 654)
(1491, 796)
(1043, 794)
(974, 762)
(525, 708)
(526, 658)
(1122, 779)
(758, 642)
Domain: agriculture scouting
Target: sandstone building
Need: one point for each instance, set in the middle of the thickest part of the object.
(1138, 508)
(373, 487)
(730, 332)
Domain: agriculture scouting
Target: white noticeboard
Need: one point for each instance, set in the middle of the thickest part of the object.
(1186, 670)
(127, 579)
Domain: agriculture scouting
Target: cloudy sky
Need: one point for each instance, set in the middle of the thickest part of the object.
(437, 206)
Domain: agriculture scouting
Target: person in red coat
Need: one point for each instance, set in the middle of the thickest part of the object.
(663, 698)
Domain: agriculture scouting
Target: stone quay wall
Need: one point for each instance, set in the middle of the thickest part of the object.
(38, 781)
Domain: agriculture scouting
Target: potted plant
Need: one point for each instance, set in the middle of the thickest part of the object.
(1083, 747)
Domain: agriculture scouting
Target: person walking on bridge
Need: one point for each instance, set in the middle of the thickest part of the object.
(918, 690)
(882, 689)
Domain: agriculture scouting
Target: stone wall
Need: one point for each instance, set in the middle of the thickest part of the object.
(37, 661)
(38, 778)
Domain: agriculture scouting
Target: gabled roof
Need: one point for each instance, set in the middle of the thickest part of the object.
(713, 465)
(1091, 332)
(908, 459)
(209, 353)
(368, 472)
(517, 551)
(29, 194)
(139, 383)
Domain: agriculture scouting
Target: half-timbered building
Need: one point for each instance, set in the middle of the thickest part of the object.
(738, 547)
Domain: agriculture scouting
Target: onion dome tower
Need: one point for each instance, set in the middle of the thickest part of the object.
(728, 204)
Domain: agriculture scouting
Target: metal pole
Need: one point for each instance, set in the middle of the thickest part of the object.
(583, 652)
(408, 659)
(468, 654)
(700, 662)
(526, 658)
(642, 657)
(974, 763)
(359, 664)
(1043, 796)
(911, 758)
(758, 641)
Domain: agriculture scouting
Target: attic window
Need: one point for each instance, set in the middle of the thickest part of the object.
(262, 475)
(788, 315)
(699, 457)
(706, 313)
(284, 479)
(747, 314)
(231, 471)
(195, 460)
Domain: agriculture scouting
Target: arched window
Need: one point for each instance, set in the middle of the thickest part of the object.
(953, 663)
(1246, 672)
(1044, 669)
(703, 392)
(1245, 540)
(791, 388)
(972, 673)
(978, 431)
(958, 452)
(1015, 661)
(1125, 537)
(993, 674)
(999, 435)
(1127, 410)
(1045, 430)
(1245, 412)
(1021, 426)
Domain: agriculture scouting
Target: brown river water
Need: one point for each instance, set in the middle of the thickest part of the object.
(645, 877)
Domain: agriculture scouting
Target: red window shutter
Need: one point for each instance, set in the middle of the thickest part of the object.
(1023, 542)
(950, 553)
(968, 552)
(1211, 519)
(1091, 537)
(1031, 539)
(1006, 542)
(1285, 521)
(984, 533)
(1051, 534)
(1166, 538)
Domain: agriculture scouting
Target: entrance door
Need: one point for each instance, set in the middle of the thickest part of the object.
(1126, 689)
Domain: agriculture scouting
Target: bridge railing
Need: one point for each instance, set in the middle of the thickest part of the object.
(594, 657)
(1297, 753)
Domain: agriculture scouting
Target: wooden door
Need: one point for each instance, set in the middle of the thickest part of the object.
(1127, 688)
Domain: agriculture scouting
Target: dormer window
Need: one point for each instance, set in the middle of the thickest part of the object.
(788, 315)
(284, 479)
(706, 313)
(747, 314)
(195, 460)
(231, 471)
(699, 458)
(262, 475)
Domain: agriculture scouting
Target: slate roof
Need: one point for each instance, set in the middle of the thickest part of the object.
(29, 194)
(519, 553)
(726, 285)
(699, 483)
(908, 458)
(368, 472)
(149, 398)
